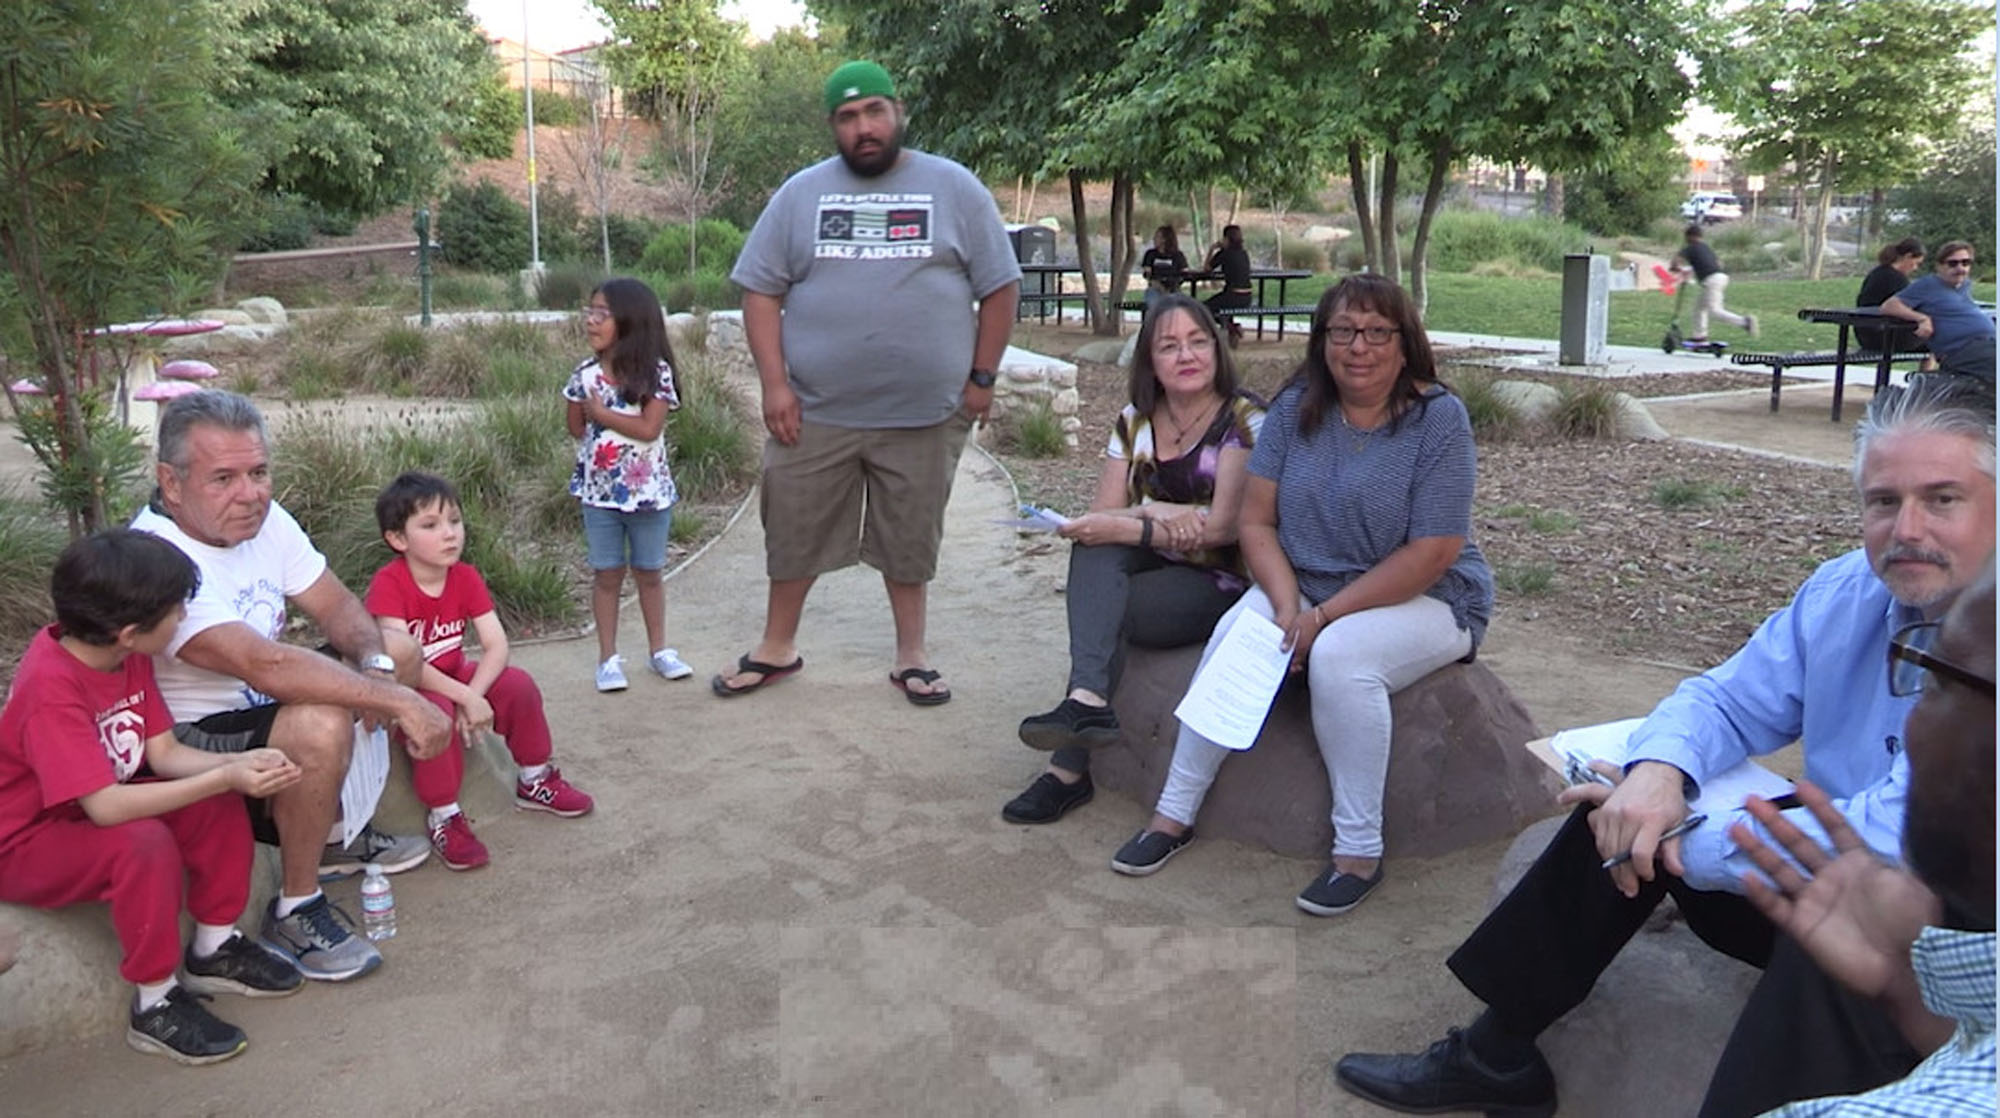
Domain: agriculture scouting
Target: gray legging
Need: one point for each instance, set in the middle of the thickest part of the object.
(1119, 593)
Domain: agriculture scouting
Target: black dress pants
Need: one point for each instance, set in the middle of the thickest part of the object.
(1538, 954)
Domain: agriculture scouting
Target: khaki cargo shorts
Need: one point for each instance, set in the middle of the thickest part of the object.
(873, 495)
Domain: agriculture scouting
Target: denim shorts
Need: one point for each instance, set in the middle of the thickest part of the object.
(626, 539)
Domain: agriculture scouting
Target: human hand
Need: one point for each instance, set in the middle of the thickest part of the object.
(1854, 913)
(781, 413)
(260, 773)
(1094, 529)
(475, 715)
(425, 729)
(1183, 530)
(1924, 328)
(1632, 816)
(978, 402)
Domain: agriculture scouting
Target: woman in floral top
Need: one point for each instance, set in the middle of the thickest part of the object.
(1154, 561)
(618, 405)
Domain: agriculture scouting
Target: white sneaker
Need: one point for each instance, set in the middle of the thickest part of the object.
(611, 674)
(667, 664)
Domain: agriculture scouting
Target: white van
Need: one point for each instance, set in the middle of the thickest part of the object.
(1709, 207)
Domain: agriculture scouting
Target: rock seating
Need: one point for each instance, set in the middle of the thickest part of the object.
(65, 986)
(1457, 773)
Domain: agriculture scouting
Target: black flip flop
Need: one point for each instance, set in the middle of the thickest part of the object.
(766, 673)
(901, 681)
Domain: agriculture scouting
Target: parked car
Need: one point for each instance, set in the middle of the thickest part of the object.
(1709, 207)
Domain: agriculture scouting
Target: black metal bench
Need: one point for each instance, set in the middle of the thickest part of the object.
(1299, 310)
(1779, 362)
(1041, 301)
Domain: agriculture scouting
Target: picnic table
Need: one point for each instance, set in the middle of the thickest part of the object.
(1845, 352)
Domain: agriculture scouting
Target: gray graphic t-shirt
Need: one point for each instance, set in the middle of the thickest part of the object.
(879, 277)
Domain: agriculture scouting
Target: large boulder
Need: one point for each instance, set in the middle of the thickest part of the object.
(1457, 773)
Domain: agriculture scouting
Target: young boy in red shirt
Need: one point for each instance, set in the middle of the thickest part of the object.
(427, 592)
(82, 717)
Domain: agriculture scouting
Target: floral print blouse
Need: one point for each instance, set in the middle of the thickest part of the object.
(612, 470)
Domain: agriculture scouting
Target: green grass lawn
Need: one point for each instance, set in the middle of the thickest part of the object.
(1531, 307)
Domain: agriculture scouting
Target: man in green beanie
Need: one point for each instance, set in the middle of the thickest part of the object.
(879, 289)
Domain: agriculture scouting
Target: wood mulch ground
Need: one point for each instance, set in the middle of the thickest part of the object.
(1662, 551)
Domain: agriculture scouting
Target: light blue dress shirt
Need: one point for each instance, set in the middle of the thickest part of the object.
(1815, 670)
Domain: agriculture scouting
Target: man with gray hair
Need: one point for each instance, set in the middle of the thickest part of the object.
(231, 684)
(1813, 671)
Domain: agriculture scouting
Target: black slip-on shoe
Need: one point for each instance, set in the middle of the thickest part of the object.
(1447, 1077)
(1048, 799)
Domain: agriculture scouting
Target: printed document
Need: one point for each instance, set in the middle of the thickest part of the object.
(367, 774)
(1034, 519)
(1232, 693)
(1720, 793)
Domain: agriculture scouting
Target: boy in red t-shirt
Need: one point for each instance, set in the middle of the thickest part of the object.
(81, 718)
(428, 593)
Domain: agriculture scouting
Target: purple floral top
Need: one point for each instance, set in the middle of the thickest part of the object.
(613, 471)
(1190, 478)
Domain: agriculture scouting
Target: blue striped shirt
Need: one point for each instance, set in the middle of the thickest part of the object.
(1955, 972)
(1348, 498)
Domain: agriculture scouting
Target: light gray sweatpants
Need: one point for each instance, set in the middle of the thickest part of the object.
(1355, 664)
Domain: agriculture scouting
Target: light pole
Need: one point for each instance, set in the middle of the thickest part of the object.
(533, 278)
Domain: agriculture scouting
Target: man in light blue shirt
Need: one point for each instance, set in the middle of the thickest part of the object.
(1814, 670)
(1918, 942)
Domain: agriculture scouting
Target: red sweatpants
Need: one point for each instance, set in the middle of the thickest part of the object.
(138, 867)
(517, 718)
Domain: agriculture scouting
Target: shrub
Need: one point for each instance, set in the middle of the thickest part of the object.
(1529, 580)
(1462, 239)
(277, 223)
(1492, 417)
(557, 110)
(1585, 411)
(1301, 253)
(30, 540)
(1675, 494)
(1036, 432)
(481, 228)
(493, 121)
(567, 286)
(629, 237)
(455, 290)
(700, 291)
(708, 440)
(716, 245)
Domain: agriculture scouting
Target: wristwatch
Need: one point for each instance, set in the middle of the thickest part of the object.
(982, 378)
(378, 662)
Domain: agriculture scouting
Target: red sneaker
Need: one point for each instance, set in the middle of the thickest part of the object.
(552, 794)
(457, 847)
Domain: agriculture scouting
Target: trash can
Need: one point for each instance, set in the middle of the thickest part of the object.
(1033, 244)
(1586, 305)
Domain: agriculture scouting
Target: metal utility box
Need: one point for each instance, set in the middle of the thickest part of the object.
(1586, 307)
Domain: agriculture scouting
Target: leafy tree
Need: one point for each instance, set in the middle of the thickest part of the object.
(354, 100)
(1953, 201)
(480, 227)
(772, 122)
(492, 120)
(1639, 182)
(120, 180)
(1846, 90)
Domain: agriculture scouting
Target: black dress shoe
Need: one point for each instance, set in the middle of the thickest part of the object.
(1447, 1077)
(1047, 799)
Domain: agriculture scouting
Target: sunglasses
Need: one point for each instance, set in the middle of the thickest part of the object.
(1961, 262)
(1911, 659)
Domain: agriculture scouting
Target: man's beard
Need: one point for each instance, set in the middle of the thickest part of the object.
(877, 162)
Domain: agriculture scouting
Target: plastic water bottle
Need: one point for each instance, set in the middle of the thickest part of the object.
(378, 905)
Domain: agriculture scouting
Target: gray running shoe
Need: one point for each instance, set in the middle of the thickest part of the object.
(319, 939)
(183, 1030)
(394, 853)
(240, 967)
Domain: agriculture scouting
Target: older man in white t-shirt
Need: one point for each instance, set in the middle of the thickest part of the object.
(232, 684)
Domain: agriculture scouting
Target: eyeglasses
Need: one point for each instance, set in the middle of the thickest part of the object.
(1961, 262)
(1910, 660)
(1373, 335)
(1193, 347)
(596, 314)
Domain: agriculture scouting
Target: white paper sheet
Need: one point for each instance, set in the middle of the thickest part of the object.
(1724, 792)
(367, 774)
(1231, 694)
(1034, 519)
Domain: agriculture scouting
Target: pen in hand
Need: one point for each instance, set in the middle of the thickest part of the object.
(1673, 832)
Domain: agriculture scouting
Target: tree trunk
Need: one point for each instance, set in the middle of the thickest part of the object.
(1816, 244)
(1877, 204)
(1552, 197)
(1385, 204)
(1197, 222)
(1124, 246)
(1420, 246)
(1080, 218)
(1364, 209)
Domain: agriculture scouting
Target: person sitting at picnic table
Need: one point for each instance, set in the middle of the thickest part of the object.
(1162, 265)
(1229, 257)
(1154, 561)
(1356, 526)
(1960, 333)
(1894, 265)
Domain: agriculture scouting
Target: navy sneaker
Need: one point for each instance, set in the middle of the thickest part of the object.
(240, 967)
(183, 1030)
(1334, 892)
(1147, 851)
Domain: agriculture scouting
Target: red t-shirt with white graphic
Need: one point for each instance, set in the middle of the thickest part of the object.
(438, 624)
(69, 730)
